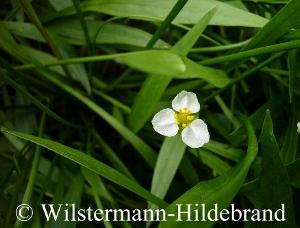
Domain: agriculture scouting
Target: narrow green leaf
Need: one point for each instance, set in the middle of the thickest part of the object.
(185, 44)
(155, 62)
(217, 165)
(220, 190)
(146, 101)
(112, 156)
(33, 171)
(226, 151)
(168, 160)
(72, 196)
(91, 164)
(96, 184)
(216, 77)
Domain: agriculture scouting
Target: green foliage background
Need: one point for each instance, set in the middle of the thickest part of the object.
(81, 80)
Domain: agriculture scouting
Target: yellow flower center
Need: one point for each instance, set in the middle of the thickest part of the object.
(184, 117)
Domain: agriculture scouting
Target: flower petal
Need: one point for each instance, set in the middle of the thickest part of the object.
(187, 100)
(195, 135)
(164, 123)
(298, 126)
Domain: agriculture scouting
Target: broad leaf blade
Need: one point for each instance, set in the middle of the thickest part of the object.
(156, 62)
(191, 13)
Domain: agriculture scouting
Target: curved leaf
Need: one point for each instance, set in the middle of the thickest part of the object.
(91, 164)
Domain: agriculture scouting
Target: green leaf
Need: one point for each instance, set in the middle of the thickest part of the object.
(97, 185)
(185, 44)
(43, 57)
(148, 96)
(155, 62)
(220, 190)
(169, 158)
(224, 150)
(112, 156)
(273, 188)
(91, 164)
(191, 13)
(70, 32)
(218, 78)
(73, 196)
(217, 165)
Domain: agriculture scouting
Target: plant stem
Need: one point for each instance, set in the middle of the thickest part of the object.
(254, 52)
(173, 13)
(220, 48)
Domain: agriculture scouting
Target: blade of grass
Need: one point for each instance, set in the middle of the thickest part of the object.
(93, 181)
(165, 168)
(112, 100)
(91, 164)
(234, 121)
(217, 165)
(111, 155)
(34, 170)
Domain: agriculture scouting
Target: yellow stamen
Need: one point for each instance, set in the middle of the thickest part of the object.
(184, 117)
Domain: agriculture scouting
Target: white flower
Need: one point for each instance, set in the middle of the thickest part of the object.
(298, 126)
(183, 117)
